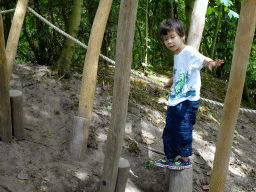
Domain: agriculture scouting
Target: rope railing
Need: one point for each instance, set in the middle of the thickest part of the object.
(113, 62)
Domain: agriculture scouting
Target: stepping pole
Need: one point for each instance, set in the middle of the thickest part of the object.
(16, 98)
(179, 180)
(122, 176)
(79, 137)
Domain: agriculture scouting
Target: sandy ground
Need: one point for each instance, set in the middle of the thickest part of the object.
(41, 162)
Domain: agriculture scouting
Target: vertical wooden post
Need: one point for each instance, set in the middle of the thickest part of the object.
(91, 60)
(197, 23)
(243, 43)
(124, 46)
(13, 37)
(17, 114)
(79, 138)
(90, 76)
(123, 174)
(179, 180)
(5, 108)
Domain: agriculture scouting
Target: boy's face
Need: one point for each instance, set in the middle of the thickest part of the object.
(174, 42)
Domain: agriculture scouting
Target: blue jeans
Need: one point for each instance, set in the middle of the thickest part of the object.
(177, 135)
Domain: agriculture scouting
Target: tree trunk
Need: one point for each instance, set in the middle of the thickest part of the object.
(246, 95)
(216, 33)
(197, 23)
(169, 14)
(189, 4)
(242, 48)
(69, 45)
(147, 38)
(7, 20)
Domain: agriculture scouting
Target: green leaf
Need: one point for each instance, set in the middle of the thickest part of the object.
(63, 141)
(48, 132)
(147, 39)
(147, 164)
(109, 108)
(232, 14)
(210, 10)
(235, 132)
(226, 2)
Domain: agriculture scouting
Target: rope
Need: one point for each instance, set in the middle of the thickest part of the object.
(8, 11)
(113, 62)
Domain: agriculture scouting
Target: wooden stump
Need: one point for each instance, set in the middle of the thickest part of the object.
(79, 138)
(17, 114)
(179, 180)
(123, 173)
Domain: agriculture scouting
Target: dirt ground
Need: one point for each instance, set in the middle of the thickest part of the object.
(41, 162)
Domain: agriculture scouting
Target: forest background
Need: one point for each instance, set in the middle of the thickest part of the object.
(42, 45)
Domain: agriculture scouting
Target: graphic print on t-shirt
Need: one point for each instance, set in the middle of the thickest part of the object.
(179, 85)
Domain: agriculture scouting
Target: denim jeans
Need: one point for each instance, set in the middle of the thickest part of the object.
(177, 135)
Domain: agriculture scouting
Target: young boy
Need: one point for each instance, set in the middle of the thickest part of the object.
(185, 95)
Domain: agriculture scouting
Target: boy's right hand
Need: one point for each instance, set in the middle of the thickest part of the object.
(167, 85)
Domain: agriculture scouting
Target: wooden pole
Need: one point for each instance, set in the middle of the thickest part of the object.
(13, 37)
(90, 74)
(197, 23)
(91, 60)
(17, 114)
(180, 180)
(243, 43)
(123, 174)
(79, 138)
(5, 107)
(124, 46)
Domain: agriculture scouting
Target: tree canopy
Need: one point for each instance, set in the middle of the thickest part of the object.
(42, 45)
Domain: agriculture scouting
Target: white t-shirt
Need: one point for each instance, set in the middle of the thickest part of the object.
(187, 79)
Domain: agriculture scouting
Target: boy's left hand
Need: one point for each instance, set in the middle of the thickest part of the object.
(216, 63)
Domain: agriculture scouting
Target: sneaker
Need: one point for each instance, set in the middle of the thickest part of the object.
(180, 164)
(165, 162)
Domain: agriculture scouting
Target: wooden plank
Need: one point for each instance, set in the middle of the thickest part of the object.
(197, 23)
(5, 107)
(124, 46)
(243, 43)
(13, 37)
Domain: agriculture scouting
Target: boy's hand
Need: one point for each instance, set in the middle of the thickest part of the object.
(212, 63)
(167, 85)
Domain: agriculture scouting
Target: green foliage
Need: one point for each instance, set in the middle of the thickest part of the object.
(41, 44)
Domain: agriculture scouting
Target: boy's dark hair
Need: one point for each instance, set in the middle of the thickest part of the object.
(173, 24)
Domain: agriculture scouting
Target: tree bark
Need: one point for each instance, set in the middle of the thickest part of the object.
(197, 23)
(69, 45)
(189, 4)
(242, 48)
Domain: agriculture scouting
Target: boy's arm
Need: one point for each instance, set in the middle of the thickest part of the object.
(169, 83)
(211, 63)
